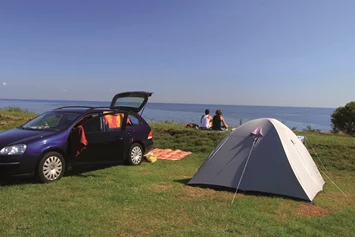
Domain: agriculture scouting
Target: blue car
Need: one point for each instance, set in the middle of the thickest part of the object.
(71, 136)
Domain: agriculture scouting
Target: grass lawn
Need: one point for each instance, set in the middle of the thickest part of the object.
(154, 200)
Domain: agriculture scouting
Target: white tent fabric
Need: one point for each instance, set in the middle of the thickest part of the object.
(278, 163)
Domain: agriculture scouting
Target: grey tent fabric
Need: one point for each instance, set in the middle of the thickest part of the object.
(278, 162)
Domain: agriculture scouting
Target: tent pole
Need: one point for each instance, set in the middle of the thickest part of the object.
(245, 166)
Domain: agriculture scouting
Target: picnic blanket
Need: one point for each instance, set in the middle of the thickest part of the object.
(169, 154)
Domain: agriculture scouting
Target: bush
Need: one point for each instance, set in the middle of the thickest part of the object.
(343, 119)
(309, 129)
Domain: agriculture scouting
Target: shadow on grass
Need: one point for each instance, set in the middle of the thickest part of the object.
(79, 171)
(83, 171)
(182, 181)
(246, 193)
(11, 181)
(214, 187)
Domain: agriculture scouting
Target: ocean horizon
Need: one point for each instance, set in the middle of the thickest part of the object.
(294, 117)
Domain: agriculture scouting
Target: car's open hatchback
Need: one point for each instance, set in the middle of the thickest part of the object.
(133, 101)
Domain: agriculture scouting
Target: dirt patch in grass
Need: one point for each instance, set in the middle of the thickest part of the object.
(311, 210)
(196, 192)
(290, 210)
(160, 187)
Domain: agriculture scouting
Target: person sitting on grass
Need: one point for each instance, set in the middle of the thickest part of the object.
(206, 120)
(218, 122)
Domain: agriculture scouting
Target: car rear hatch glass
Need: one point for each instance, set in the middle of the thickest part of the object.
(133, 101)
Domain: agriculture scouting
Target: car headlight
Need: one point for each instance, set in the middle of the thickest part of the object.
(13, 150)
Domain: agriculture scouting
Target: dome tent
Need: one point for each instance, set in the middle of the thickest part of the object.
(262, 155)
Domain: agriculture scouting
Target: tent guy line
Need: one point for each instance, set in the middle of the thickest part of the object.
(325, 171)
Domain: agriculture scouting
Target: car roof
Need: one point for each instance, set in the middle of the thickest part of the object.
(84, 109)
(77, 109)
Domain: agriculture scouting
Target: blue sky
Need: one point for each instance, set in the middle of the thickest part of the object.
(275, 52)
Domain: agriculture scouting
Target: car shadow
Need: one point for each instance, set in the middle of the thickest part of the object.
(17, 181)
(82, 171)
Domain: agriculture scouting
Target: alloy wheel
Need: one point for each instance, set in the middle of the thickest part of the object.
(136, 155)
(52, 168)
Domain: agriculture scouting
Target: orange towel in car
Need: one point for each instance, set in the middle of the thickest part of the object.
(78, 141)
(113, 120)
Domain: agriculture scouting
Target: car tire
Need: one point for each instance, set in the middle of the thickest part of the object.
(51, 167)
(135, 155)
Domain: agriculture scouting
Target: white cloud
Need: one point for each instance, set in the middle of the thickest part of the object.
(65, 90)
(4, 83)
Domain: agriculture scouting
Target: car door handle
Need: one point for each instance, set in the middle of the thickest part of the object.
(118, 138)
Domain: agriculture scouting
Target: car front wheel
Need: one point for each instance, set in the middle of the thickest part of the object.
(51, 167)
(135, 155)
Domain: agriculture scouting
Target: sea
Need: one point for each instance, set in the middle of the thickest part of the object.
(298, 118)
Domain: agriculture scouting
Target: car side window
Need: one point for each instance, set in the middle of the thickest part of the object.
(91, 123)
(132, 120)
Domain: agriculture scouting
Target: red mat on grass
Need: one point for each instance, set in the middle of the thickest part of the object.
(169, 154)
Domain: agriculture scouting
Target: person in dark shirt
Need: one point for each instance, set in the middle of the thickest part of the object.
(218, 122)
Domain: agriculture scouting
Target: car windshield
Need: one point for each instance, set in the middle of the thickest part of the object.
(52, 121)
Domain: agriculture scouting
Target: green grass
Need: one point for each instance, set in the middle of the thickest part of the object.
(154, 200)
(13, 116)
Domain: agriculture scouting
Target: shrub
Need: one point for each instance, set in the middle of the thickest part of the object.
(14, 109)
(343, 119)
(309, 129)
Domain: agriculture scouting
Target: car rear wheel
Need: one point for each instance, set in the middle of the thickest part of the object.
(51, 167)
(135, 155)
